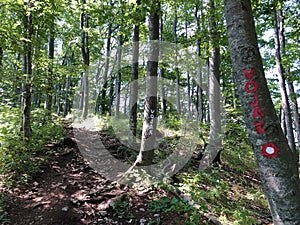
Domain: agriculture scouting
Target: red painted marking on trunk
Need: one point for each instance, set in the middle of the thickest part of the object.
(270, 150)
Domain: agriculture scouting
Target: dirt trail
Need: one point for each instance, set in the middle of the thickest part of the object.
(66, 192)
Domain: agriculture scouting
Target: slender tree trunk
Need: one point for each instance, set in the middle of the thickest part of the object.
(276, 161)
(146, 153)
(27, 70)
(66, 97)
(199, 102)
(294, 105)
(214, 85)
(1, 57)
(133, 99)
(49, 95)
(279, 48)
(84, 24)
(178, 105)
(163, 100)
(118, 80)
(102, 105)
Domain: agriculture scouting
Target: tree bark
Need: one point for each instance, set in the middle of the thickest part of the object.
(84, 24)
(275, 159)
(294, 105)
(146, 153)
(214, 85)
(102, 102)
(279, 49)
(199, 97)
(118, 79)
(134, 84)
(27, 70)
(49, 95)
(175, 23)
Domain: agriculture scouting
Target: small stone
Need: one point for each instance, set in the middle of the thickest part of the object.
(102, 213)
(112, 204)
(143, 221)
(65, 209)
(35, 184)
(142, 209)
(156, 215)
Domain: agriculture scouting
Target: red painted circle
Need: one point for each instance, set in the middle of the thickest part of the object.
(270, 150)
(251, 86)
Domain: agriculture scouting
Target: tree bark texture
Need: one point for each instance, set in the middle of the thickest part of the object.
(276, 161)
(279, 49)
(214, 85)
(134, 84)
(294, 105)
(146, 153)
(27, 71)
(84, 24)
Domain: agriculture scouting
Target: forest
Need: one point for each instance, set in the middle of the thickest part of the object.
(149, 112)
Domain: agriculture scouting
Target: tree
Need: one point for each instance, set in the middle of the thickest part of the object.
(134, 85)
(27, 70)
(84, 25)
(150, 108)
(279, 52)
(276, 161)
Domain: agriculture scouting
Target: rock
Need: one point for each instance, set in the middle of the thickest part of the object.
(143, 221)
(142, 209)
(156, 215)
(102, 213)
(65, 209)
(35, 184)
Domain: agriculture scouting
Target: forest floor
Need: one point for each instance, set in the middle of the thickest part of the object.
(68, 192)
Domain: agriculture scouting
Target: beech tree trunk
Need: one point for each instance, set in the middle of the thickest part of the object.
(134, 84)
(27, 70)
(294, 105)
(146, 153)
(84, 24)
(49, 95)
(214, 94)
(199, 99)
(279, 49)
(276, 161)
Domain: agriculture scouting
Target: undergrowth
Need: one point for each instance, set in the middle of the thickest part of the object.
(20, 160)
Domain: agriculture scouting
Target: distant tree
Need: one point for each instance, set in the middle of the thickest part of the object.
(276, 161)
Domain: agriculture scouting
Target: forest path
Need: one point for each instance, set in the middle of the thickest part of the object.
(68, 192)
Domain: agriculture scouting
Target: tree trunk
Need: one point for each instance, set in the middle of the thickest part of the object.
(214, 95)
(102, 102)
(133, 99)
(66, 97)
(275, 159)
(294, 105)
(146, 153)
(176, 63)
(27, 70)
(279, 48)
(49, 95)
(199, 102)
(84, 24)
(1, 57)
(163, 101)
(118, 79)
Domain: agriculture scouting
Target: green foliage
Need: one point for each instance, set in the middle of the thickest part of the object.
(121, 206)
(172, 121)
(19, 160)
(3, 215)
(167, 204)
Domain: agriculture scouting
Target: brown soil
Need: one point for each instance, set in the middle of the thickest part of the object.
(68, 192)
